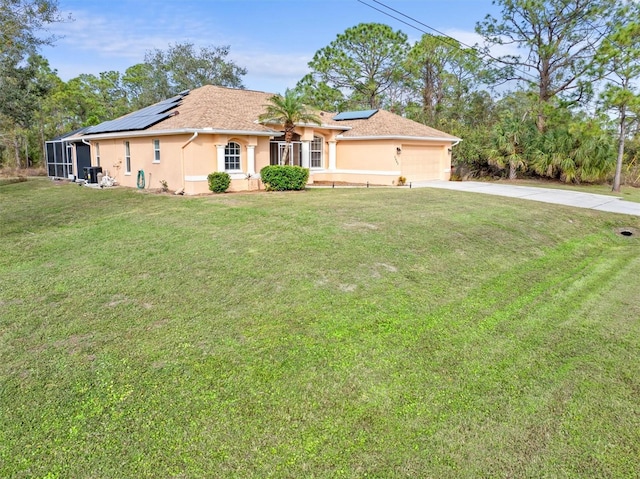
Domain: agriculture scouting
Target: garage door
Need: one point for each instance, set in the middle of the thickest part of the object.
(420, 163)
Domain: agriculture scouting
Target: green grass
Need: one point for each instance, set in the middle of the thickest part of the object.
(351, 333)
(12, 180)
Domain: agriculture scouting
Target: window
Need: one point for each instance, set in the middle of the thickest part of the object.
(127, 158)
(232, 156)
(315, 151)
(97, 154)
(156, 151)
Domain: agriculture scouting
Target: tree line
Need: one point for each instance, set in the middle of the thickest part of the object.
(563, 105)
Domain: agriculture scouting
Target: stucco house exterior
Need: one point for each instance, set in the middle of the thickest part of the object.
(208, 129)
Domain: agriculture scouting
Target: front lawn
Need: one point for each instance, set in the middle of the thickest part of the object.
(326, 333)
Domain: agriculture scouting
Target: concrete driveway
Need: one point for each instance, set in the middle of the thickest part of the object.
(611, 204)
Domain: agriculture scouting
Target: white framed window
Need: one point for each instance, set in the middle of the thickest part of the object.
(127, 158)
(232, 156)
(156, 151)
(316, 149)
(97, 154)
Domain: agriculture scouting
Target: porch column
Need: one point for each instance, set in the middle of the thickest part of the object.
(251, 160)
(332, 155)
(305, 153)
(220, 150)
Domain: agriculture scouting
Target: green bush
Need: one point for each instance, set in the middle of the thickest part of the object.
(219, 181)
(284, 178)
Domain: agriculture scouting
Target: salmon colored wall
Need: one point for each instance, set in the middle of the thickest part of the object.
(363, 179)
(205, 146)
(111, 157)
(262, 154)
(199, 156)
(367, 155)
(112, 160)
(382, 155)
(200, 159)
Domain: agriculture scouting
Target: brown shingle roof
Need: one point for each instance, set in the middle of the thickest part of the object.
(387, 124)
(218, 108)
(229, 109)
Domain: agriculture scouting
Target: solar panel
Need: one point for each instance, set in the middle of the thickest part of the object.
(141, 119)
(355, 115)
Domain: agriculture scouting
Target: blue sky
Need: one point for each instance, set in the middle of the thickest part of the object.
(273, 39)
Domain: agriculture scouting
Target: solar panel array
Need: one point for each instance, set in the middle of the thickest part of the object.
(355, 115)
(141, 119)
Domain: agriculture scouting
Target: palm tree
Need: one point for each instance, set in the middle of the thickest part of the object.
(508, 145)
(288, 110)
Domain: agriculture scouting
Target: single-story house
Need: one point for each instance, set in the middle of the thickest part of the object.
(181, 140)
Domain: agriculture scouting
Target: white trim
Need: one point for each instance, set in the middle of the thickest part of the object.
(251, 160)
(220, 157)
(243, 176)
(323, 126)
(398, 137)
(233, 156)
(333, 158)
(156, 158)
(179, 131)
(127, 157)
(321, 151)
(96, 149)
(305, 153)
(238, 176)
(327, 127)
(362, 172)
(234, 176)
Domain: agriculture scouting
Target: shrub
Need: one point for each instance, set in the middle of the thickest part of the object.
(283, 178)
(402, 181)
(219, 181)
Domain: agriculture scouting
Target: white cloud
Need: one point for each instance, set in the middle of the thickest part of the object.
(114, 37)
(96, 43)
(267, 70)
(102, 39)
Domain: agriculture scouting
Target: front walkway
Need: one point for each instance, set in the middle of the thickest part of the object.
(578, 199)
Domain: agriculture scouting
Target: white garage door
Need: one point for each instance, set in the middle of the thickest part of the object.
(420, 163)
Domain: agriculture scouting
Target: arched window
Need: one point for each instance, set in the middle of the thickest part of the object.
(316, 148)
(232, 156)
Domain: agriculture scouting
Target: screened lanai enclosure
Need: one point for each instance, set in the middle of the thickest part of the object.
(67, 157)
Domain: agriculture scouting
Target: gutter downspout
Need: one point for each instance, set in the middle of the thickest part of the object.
(195, 135)
(88, 143)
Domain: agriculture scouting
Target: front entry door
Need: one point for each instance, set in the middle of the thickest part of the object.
(282, 148)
